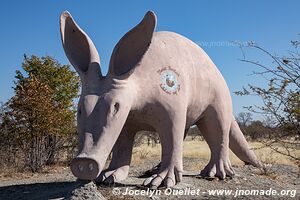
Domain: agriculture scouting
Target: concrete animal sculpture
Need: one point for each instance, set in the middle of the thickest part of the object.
(158, 81)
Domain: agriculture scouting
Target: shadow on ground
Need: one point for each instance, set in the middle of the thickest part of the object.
(53, 190)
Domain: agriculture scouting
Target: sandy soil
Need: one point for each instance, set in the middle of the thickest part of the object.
(59, 183)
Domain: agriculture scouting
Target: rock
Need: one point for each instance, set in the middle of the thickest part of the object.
(87, 191)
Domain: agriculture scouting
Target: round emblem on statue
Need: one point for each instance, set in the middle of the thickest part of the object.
(169, 80)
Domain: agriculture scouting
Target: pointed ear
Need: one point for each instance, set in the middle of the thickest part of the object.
(132, 46)
(78, 47)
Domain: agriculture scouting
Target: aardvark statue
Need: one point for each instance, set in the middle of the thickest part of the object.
(158, 81)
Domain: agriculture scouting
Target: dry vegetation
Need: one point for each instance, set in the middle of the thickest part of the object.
(199, 149)
(193, 149)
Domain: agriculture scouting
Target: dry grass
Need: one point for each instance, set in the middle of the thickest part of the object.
(193, 150)
(200, 149)
(142, 152)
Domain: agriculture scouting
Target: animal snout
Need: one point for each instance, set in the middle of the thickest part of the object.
(85, 168)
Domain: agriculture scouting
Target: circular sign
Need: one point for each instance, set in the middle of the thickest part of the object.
(169, 80)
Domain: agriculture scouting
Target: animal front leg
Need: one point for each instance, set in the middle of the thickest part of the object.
(155, 169)
(121, 158)
(216, 134)
(171, 169)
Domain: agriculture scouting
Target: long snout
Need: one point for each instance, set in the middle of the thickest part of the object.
(85, 167)
(91, 160)
(95, 149)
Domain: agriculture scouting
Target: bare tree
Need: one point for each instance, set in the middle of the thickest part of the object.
(280, 97)
(244, 119)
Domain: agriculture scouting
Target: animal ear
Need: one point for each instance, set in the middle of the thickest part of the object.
(78, 47)
(132, 46)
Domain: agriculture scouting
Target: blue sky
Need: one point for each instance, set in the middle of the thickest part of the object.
(32, 27)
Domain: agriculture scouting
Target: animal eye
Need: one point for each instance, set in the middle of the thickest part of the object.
(116, 108)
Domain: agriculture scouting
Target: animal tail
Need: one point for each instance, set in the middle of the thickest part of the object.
(240, 147)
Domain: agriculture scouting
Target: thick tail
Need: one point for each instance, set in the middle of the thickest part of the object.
(240, 147)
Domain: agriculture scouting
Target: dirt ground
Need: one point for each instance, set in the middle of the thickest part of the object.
(59, 183)
(249, 183)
